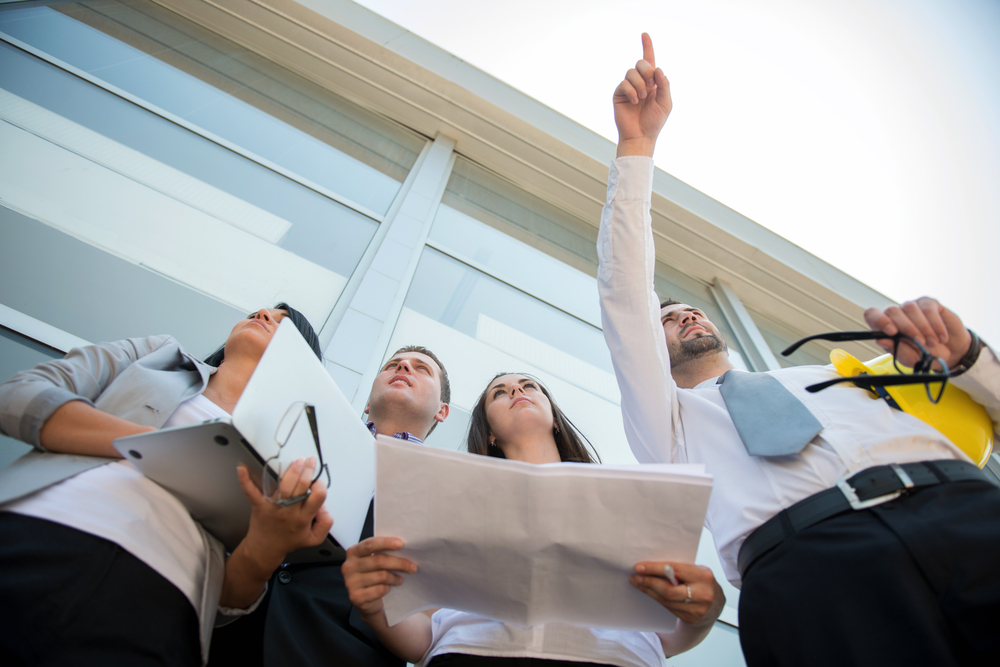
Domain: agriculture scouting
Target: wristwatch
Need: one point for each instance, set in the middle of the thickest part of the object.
(970, 358)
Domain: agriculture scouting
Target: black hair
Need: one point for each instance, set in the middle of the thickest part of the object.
(297, 318)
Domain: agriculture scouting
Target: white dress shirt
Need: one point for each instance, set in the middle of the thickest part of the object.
(665, 423)
(461, 632)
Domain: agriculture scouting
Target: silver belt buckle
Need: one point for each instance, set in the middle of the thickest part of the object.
(858, 504)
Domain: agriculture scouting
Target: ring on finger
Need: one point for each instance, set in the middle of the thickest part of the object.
(688, 598)
(286, 502)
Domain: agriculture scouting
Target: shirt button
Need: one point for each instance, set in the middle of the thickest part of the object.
(284, 576)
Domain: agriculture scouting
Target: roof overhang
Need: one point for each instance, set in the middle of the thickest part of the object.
(382, 67)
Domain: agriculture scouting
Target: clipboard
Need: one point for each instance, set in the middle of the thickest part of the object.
(197, 462)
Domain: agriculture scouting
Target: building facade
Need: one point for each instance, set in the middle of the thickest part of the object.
(170, 165)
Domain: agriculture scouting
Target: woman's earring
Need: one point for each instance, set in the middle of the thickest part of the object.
(555, 427)
(493, 442)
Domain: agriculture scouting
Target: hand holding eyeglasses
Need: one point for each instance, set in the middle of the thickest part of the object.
(925, 339)
(927, 321)
(276, 529)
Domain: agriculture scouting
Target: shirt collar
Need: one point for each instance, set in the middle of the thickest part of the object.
(405, 435)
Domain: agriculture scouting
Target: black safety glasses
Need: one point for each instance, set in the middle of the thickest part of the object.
(924, 371)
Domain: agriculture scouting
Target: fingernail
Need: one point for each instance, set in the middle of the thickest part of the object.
(640, 568)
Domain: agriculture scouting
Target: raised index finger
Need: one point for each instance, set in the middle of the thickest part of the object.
(647, 50)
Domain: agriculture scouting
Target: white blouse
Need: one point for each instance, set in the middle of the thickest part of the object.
(118, 503)
(461, 632)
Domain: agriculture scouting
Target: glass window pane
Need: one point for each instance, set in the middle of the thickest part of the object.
(229, 91)
(459, 296)
(778, 337)
(87, 292)
(519, 238)
(480, 326)
(121, 178)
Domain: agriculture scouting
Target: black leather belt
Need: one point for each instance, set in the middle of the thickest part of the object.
(870, 487)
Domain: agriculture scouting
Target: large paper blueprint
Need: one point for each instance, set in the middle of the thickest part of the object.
(529, 544)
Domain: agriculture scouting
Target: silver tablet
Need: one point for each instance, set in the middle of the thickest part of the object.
(197, 464)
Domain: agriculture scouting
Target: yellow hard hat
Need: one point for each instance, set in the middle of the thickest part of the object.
(956, 415)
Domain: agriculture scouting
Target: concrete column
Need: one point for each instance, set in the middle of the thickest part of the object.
(359, 341)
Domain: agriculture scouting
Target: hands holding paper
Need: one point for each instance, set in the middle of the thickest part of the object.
(693, 595)
(275, 531)
(690, 592)
(369, 574)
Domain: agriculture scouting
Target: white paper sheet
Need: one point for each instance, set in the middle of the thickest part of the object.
(530, 544)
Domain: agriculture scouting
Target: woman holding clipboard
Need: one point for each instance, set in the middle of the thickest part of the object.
(100, 564)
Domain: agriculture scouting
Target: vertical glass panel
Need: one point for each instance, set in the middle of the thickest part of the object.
(457, 295)
(778, 337)
(227, 90)
(480, 326)
(18, 353)
(519, 238)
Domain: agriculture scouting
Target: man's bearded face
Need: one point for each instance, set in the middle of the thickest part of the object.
(690, 335)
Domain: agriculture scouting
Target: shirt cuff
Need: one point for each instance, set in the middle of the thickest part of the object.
(982, 379)
(227, 615)
(632, 177)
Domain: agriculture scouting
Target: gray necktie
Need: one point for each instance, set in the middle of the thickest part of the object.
(768, 417)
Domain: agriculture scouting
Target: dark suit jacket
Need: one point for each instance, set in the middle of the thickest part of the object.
(305, 619)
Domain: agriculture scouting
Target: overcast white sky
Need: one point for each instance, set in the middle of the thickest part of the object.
(866, 132)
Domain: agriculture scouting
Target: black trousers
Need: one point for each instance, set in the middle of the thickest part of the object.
(306, 619)
(70, 598)
(915, 581)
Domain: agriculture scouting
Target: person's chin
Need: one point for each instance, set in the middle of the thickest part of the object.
(701, 345)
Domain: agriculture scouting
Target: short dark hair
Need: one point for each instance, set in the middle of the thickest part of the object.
(668, 302)
(297, 318)
(445, 383)
(569, 440)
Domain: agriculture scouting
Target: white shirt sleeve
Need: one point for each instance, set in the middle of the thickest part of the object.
(630, 314)
(982, 383)
(227, 615)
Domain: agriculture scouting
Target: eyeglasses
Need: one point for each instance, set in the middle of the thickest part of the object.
(276, 466)
(923, 371)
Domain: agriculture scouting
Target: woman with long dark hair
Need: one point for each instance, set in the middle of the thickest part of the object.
(571, 445)
(516, 418)
(100, 565)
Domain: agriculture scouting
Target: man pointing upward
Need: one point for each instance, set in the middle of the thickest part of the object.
(913, 578)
